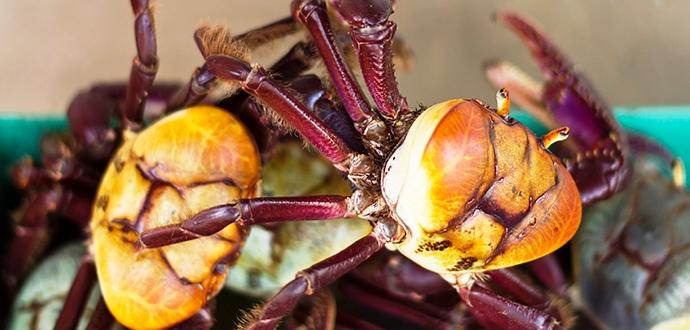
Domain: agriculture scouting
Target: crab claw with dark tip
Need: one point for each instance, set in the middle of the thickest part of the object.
(596, 154)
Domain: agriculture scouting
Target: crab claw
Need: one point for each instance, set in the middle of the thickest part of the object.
(596, 154)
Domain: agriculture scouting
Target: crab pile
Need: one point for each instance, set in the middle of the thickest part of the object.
(220, 192)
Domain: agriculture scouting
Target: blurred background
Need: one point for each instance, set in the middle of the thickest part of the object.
(635, 53)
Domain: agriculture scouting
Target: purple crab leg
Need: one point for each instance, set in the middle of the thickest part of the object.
(89, 116)
(202, 80)
(256, 81)
(144, 65)
(400, 277)
(312, 13)
(202, 320)
(494, 311)
(78, 295)
(310, 280)
(550, 273)
(249, 212)
(30, 232)
(372, 35)
(419, 313)
(523, 291)
(599, 159)
(101, 319)
(348, 320)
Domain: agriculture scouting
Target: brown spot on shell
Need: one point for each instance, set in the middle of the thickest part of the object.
(463, 264)
(434, 246)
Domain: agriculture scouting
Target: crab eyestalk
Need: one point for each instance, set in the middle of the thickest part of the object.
(597, 153)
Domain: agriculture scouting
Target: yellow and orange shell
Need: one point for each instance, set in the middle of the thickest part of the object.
(187, 162)
(475, 191)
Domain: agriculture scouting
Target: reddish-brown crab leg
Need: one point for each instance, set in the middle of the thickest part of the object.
(256, 82)
(202, 80)
(317, 276)
(312, 13)
(419, 313)
(67, 169)
(523, 291)
(599, 162)
(400, 277)
(29, 234)
(249, 212)
(348, 320)
(316, 312)
(89, 116)
(144, 65)
(202, 320)
(101, 319)
(550, 273)
(372, 35)
(78, 295)
(494, 311)
(92, 111)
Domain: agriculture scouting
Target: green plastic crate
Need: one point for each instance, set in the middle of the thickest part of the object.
(669, 125)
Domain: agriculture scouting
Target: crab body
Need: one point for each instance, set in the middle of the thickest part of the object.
(174, 168)
(632, 250)
(477, 191)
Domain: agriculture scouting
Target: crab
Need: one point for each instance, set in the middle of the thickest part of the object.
(620, 280)
(493, 208)
(398, 139)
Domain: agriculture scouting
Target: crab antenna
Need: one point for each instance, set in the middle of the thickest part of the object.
(678, 173)
(554, 136)
(503, 103)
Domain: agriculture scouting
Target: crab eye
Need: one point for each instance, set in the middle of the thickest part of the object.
(475, 191)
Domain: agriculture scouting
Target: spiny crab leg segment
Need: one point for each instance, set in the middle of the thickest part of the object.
(317, 276)
(249, 212)
(372, 35)
(255, 81)
(312, 13)
(599, 159)
(144, 66)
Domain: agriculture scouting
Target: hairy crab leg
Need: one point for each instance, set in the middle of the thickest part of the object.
(598, 153)
(78, 295)
(249, 212)
(316, 312)
(317, 276)
(144, 65)
(313, 14)
(299, 58)
(256, 81)
(372, 36)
